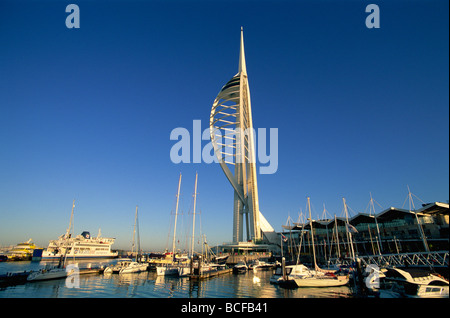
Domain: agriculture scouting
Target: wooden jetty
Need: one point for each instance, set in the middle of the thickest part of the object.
(208, 274)
(85, 271)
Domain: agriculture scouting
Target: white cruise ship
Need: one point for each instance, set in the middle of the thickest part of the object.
(80, 247)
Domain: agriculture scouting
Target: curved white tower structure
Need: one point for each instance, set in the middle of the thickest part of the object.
(232, 136)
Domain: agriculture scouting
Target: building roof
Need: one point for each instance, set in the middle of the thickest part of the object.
(394, 213)
(385, 215)
(362, 218)
(434, 208)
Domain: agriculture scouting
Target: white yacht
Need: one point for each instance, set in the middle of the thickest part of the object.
(413, 283)
(240, 267)
(259, 265)
(167, 270)
(134, 267)
(50, 272)
(79, 247)
(116, 268)
(298, 270)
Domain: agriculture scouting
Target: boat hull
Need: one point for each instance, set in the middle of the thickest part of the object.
(263, 267)
(49, 274)
(321, 281)
(69, 256)
(239, 270)
(166, 271)
(184, 271)
(134, 269)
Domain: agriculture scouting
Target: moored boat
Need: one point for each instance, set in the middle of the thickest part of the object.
(50, 272)
(325, 280)
(414, 283)
(80, 247)
(240, 268)
(167, 270)
(318, 277)
(298, 270)
(134, 267)
(259, 265)
(22, 251)
(115, 269)
(220, 259)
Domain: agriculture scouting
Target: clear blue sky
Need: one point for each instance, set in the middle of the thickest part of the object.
(86, 114)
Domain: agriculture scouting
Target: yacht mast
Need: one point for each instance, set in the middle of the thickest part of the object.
(133, 244)
(138, 239)
(379, 244)
(193, 221)
(176, 215)
(349, 234)
(419, 225)
(312, 234)
(70, 222)
(337, 237)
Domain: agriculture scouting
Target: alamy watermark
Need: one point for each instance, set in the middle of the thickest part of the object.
(73, 19)
(73, 276)
(372, 281)
(266, 149)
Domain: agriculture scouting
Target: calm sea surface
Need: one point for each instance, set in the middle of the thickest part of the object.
(149, 285)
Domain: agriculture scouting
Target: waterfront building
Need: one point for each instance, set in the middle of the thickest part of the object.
(391, 231)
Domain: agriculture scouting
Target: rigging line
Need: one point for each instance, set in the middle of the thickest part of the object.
(299, 218)
(418, 198)
(407, 197)
(200, 222)
(325, 211)
(368, 206)
(314, 209)
(348, 207)
(377, 203)
(169, 231)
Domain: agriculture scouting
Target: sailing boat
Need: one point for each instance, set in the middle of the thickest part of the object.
(186, 270)
(319, 278)
(200, 266)
(137, 266)
(172, 268)
(130, 266)
(51, 271)
(284, 272)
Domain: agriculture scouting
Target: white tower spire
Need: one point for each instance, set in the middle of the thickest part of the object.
(232, 135)
(242, 66)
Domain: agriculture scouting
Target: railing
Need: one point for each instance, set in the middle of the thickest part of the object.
(418, 259)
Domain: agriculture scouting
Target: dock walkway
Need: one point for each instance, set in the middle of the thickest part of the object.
(208, 274)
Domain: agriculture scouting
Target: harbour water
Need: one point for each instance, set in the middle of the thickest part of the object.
(149, 285)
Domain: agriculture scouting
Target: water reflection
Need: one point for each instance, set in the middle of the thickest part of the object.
(148, 284)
